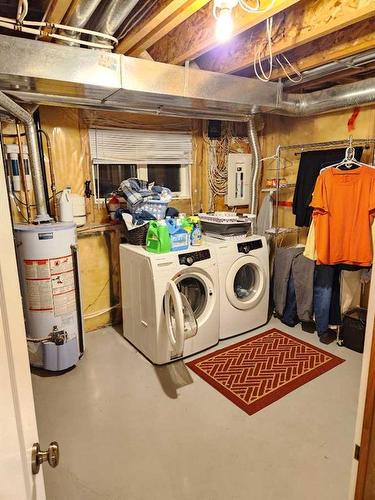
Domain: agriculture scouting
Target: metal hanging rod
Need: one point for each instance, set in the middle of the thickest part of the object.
(312, 146)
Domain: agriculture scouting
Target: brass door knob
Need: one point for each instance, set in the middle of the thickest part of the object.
(52, 456)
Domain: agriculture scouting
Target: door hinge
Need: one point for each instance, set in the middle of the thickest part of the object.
(357, 451)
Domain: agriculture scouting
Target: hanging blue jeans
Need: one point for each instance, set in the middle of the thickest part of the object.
(290, 317)
(326, 297)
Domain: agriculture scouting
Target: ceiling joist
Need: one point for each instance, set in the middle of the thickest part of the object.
(165, 16)
(305, 23)
(196, 35)
(344, 43)
(56, 11)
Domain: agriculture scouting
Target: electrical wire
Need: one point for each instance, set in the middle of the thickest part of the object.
(44, 28)
(98, 296)
(257, 8)
(260, 72)
(218, 150)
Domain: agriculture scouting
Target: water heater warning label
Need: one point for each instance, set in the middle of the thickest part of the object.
(50, 285)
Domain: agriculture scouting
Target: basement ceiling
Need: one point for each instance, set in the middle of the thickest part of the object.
(308, 32)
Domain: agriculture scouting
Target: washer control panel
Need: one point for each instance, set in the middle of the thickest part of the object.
(188, 259)
(248, 246)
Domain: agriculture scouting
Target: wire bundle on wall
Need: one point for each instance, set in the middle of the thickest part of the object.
(218, 150)
(46, 29)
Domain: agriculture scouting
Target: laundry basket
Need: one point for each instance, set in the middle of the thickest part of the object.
(136, 236)
(157, 208)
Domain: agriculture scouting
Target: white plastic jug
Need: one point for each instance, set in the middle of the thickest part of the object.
(66, 206)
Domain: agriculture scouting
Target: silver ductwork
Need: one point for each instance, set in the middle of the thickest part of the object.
(32, 142)
(334, 98)
(256, 164)
(113, 15)
(83, 10)
(334, 67)
(47, 73)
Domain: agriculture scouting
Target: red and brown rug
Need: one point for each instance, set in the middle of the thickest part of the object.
(260, 370)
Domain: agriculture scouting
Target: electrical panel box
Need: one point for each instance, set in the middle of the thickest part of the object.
(239, 177)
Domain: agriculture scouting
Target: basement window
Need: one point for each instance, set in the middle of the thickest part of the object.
(108, 177)
(161, 157)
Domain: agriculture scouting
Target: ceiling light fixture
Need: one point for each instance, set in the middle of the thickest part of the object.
(223, 14)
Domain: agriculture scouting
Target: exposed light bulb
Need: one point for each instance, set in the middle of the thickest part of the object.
(224, 25)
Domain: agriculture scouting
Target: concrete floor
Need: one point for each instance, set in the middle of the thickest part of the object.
(132, 431)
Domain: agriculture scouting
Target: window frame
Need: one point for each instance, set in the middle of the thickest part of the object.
(142, 173)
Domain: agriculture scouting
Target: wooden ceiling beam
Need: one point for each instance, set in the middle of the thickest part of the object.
(196, 35)
(305, 23)
(56, 11)
(344, 43)
(163, 18)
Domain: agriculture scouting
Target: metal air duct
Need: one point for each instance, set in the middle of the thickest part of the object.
(32, 143)
(333, 68)
(113, 15)
(256, 164)
(83, 10)
(334, 98)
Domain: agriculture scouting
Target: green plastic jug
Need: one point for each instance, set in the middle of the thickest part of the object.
(158, 239)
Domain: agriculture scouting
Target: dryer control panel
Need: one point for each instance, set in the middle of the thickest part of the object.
(248, 246)
(188, 259)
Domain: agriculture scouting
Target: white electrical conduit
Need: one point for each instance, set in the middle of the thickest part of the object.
(36, 29)
(99, 313)
(257, 8)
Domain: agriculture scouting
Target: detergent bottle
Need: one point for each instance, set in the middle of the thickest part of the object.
(179, 237)
(158, 239)
(196, 233)
(185, 223)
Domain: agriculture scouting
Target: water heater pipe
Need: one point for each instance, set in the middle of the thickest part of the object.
(32, 142)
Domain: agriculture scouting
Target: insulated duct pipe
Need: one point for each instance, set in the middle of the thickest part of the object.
(334, 67)
(32, 143)
(115, 12)
(256, 164)
(338, 97)
(83, 10)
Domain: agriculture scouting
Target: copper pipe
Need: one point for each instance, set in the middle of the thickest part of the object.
(23, 174)
(51, 172)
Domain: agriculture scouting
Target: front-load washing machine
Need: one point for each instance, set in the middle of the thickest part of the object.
(170, 302)
(244, 283)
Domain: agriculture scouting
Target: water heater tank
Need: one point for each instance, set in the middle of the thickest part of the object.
(48, 266)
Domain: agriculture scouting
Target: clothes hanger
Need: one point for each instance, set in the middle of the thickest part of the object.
(348, 160)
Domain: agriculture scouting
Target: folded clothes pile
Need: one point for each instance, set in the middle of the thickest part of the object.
(136, 192)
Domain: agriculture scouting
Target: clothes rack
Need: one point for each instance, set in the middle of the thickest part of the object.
(300, 148)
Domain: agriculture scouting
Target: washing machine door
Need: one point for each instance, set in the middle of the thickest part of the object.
(245, 283)
(197, 286)
(174, 316)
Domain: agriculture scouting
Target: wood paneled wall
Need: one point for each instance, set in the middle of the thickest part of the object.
(99, 260)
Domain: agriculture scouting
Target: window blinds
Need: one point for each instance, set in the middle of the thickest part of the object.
(140, 146)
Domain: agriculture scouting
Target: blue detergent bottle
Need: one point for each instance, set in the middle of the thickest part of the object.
(179, 237)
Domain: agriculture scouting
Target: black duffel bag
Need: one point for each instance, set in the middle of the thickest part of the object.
(352, 334)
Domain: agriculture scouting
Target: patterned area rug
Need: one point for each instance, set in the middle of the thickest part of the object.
(258, 371)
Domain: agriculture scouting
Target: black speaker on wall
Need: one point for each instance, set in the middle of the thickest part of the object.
(214, 129)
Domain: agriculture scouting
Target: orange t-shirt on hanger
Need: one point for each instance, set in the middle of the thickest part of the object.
(344, 205)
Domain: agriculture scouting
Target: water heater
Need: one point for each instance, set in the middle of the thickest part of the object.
(49, 275)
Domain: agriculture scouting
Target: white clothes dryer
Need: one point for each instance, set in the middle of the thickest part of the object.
(170, 302)
(244, 283)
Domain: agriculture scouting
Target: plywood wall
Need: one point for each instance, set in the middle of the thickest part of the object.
(329, 127)
(68, 129)
(98, 243)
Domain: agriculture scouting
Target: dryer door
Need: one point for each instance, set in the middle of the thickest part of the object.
(245, 283)
(174, 316)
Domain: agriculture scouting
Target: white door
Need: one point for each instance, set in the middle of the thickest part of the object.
(18, 430)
